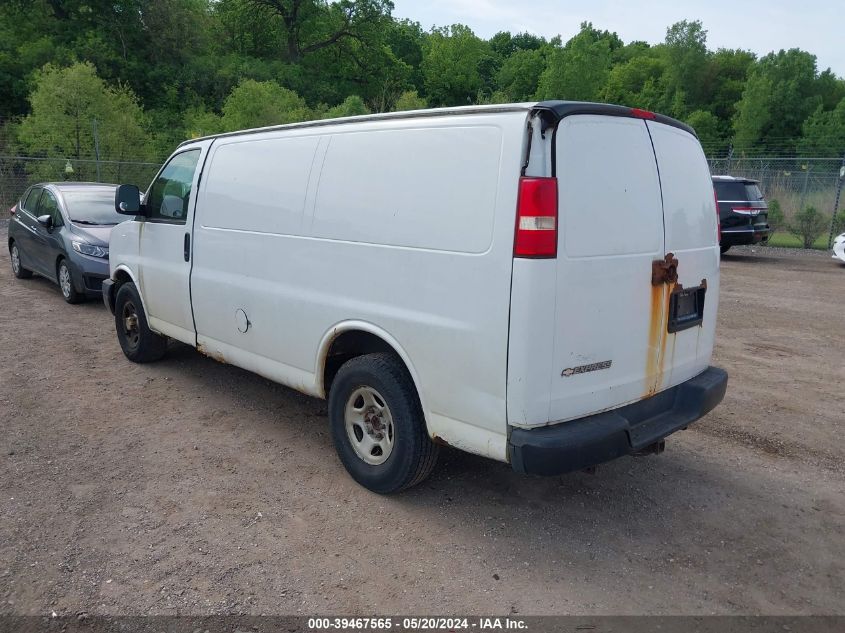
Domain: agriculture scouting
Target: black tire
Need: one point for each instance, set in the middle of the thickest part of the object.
(724, 249)
(138, 342)
(413, 454)
(17, 268)
(67, 285)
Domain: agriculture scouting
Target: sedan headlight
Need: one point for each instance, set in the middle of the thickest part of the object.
(90, 249)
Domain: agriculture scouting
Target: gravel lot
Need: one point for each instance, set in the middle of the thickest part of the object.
(192, 487)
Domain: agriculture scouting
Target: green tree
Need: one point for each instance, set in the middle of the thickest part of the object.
(410, 100)
(261, 103)
(824, 132)
(709, 131)
(351, 106)
(686, 63)
(450, 65)
(579, 70)
(308, 26)
(781, 92)
(68, 104)
(520, 74)
(636, 83)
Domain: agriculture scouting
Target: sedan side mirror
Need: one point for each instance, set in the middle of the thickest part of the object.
(127, 200)
(46, 221)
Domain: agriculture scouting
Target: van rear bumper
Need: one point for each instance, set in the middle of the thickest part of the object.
(579, 444)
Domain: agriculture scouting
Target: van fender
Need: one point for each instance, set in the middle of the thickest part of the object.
(346, 326)
(124, 268)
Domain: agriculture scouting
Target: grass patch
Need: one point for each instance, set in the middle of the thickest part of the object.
(787, 240)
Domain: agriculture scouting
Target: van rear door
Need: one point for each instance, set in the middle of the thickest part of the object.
(610, 231)
(689, 217)
(616, 316)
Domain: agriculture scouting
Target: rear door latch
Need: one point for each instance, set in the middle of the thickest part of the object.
(664, 271)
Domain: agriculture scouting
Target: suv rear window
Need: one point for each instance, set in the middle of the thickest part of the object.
(738, 191)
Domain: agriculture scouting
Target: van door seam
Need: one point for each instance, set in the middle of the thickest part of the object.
(194, 242)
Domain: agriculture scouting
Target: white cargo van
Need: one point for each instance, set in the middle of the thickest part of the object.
(536, 283)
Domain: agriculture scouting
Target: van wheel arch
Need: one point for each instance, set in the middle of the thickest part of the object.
(349, 344)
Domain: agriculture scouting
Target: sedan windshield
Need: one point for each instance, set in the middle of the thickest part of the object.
(92, 206)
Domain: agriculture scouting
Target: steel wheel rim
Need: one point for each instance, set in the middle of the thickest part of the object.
(129, 320)
(16, 260)
(64, 279)
(369, 425)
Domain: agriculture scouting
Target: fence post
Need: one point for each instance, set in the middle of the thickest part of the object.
(836, 203)
(96, 147)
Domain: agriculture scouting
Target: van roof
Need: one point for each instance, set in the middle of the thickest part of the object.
(552, 111)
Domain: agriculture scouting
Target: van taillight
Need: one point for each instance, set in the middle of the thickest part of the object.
(536, 218)
(643, 114)
(13, 209)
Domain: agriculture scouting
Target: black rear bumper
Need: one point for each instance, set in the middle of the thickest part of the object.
(744, 235)
(579, 444)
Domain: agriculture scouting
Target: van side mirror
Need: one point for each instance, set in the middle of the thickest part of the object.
(127, 200)
(46, 221)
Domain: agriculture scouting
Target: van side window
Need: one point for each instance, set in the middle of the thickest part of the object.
(50, 206)
(31, 202)
(171, 192)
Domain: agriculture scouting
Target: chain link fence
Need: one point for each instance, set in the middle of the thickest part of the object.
(19, 172)
(794, 182)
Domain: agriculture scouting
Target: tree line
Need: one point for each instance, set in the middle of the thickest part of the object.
(150, 73)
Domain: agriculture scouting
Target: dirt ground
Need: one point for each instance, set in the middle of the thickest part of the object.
(192, 487)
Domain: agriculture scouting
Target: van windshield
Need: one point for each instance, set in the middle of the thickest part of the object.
(92, 206)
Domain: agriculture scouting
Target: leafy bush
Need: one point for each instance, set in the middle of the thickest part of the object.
(808, 224)
(839, 222)
(776, 219)
(410, 100)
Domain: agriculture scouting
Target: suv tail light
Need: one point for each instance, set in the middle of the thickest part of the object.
(13, 209)
(718, 218)
(536, 218)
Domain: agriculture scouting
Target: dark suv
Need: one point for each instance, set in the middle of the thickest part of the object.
(743, 213)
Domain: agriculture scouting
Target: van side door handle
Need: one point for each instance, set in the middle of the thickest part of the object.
(187, 247)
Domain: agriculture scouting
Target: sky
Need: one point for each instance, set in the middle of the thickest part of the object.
(817, 26)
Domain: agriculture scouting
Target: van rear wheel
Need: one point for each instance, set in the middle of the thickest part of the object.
(138, 342)
(377, 424)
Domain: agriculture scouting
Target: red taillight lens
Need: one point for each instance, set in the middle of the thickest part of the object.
(642, 114)
(536, 218)
(718, 217)
(13, 209)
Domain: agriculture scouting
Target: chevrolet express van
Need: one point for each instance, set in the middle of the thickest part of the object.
(535, 283)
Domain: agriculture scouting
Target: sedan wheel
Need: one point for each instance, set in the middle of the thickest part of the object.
(17, 268)
(66, 283)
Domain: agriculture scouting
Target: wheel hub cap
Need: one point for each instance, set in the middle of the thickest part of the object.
(130, 324)
(369, 425)
(64, 280)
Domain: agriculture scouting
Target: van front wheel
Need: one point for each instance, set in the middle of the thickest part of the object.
(377, 424)
(139, 343)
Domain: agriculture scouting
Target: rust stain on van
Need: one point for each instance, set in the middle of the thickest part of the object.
(439, 440)
(218, 356)
(664, 279)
